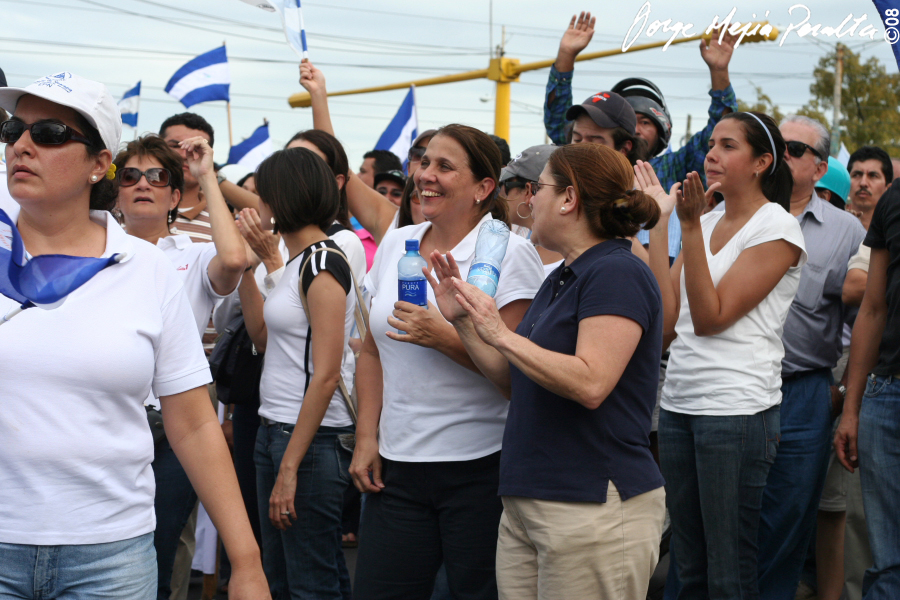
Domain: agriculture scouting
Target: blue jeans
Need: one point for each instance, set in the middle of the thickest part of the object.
(794, 487)
(715, 470)
(306, 562)
(116, 570)
(879, 469)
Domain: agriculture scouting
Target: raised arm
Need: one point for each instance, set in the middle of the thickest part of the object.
(373, 211)
(558, 95)
(750, 279)
(238, 197)
(228, 264)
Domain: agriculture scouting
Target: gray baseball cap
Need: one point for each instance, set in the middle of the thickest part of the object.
(528, 164)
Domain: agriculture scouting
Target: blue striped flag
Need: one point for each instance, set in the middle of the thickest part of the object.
(253, 150)
(889, 10)
(130, 104)
(402, 130)
(291, 19)
(44, 280)
(203, 79)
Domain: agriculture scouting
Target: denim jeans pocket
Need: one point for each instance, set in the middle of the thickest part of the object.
(772, 425)
(876, 385)
(343, 456)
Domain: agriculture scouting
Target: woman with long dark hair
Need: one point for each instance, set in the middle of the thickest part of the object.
(726, 299)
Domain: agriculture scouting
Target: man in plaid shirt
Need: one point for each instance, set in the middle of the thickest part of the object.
(673, 166)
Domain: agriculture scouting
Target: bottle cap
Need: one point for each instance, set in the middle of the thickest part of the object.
(412, 245)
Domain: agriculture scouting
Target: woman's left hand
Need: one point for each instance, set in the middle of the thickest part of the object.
(198, 155)
(424, 326)
(482, 311)
(692, 200)
(281, 502)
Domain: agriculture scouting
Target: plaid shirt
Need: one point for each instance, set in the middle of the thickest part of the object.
(670, 167)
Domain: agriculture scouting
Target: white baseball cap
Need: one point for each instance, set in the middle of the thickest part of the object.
(89, 98)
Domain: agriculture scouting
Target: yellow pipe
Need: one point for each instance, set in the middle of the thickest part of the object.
(302, 100)
(501, 110)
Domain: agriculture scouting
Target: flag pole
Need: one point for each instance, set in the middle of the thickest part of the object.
(228, 109)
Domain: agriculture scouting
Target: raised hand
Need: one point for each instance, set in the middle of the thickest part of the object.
(692, 200)
(578, 35)
(645, 179)
(444, 291)
(717, 55)
(311, 78)
(264, 243)
(198, 155)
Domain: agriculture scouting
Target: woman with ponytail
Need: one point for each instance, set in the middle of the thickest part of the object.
(583, 499)
(726, 299)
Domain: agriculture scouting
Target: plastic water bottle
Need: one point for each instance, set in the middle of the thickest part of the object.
(490, 249)
(411, 282)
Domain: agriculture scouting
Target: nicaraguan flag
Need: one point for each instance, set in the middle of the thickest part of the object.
(129, 105)
(203, 79)
(890, 15)
(43, 280)
(291, 19)
(399, 135)
(253, 150)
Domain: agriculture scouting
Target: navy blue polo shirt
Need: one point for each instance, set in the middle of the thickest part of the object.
(555, 448)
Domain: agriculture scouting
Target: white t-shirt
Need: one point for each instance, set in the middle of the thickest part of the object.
(524, 232)
(738, 371)
(76, 448)
(191, 261)
(434, 409)
(289, 362)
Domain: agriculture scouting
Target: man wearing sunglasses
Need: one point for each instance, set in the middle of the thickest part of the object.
(812, 344)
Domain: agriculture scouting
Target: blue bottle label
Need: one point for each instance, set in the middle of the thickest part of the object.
(482, 269)
(414, 291)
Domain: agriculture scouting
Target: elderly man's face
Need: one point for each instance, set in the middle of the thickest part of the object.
(806, 169)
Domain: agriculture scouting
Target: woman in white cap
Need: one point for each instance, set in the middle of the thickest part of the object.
(76, 486)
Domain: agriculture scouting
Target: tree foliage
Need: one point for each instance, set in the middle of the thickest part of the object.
(870, 100)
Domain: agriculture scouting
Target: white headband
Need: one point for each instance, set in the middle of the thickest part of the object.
(771, 141)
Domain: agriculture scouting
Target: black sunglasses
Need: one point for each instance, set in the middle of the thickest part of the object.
(514, 185)
(157, 176)
(46, 133)
(396, 193)
(797, 149)
(416, 153)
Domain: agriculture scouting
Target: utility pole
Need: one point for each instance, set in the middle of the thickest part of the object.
(836, 116)
(687, 133)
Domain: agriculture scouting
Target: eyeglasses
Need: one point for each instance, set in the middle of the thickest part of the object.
(416, 153)
(798, 149)
(394, 192)
(156, 176)
(537, 185)
(45, 133)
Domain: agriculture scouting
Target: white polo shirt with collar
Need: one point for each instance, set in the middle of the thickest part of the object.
(76, 448)
(435, 409)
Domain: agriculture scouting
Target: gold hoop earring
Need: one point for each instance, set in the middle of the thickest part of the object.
(530, 211)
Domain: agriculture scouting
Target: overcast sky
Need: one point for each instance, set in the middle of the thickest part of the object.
(364, 43)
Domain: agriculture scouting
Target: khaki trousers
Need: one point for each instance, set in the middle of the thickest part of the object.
(579, 550)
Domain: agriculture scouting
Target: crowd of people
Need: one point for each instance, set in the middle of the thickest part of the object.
(690, 352)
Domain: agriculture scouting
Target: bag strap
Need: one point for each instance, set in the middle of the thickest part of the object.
(361, 314)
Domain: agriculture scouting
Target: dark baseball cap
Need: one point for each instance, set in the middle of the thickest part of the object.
(608, 110)
(395, 176)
